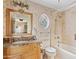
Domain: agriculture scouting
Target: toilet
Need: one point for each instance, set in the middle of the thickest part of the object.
(51, 52)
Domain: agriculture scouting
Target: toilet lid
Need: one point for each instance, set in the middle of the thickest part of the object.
(50, 49)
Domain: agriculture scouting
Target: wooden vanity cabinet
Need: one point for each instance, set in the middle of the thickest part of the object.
(34, 53)
(30, 51)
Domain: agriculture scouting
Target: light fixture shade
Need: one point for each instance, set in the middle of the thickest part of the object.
(20, 4)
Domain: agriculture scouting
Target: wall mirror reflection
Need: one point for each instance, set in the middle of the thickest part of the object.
(21, 22)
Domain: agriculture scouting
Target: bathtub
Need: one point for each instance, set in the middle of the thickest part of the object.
(65, 52)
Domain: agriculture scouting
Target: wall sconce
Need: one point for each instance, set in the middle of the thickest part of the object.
(20, 4)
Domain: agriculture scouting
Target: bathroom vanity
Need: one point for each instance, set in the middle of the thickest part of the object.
(18, 43)
(25, 51)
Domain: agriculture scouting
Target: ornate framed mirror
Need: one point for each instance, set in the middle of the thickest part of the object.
(18, 22)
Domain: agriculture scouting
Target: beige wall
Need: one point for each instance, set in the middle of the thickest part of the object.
(36, 10)
(70, 27)
(61, 24)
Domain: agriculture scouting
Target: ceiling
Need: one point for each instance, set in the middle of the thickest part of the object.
(61, 6)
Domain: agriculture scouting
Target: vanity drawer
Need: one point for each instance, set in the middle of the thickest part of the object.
(18, 49)
(12, 50)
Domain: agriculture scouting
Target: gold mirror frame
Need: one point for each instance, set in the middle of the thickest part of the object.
(9, 24)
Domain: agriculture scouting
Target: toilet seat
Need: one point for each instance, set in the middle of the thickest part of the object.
(50, 50)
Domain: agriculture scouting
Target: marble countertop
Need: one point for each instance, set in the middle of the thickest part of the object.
(20, 43)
